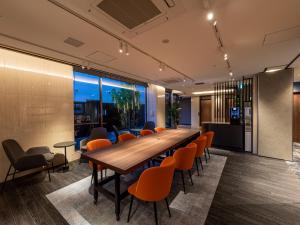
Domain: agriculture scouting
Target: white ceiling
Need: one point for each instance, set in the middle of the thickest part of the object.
(192, 50)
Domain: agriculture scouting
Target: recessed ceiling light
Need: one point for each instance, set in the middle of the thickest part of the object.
(230, 74)
(209, 16)
(274, 69)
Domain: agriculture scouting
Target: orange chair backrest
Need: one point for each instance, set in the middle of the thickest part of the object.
(210, 137)
(155, 183)
(97, 144)
(126, 137)
(185, 157)
(201, 144)
(159, 129)
(146, 132)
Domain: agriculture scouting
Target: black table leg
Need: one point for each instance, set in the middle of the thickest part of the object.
(117, 195)
(65, 167)
(95, 175)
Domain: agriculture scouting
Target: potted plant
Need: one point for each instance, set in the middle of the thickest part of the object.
(175, 112)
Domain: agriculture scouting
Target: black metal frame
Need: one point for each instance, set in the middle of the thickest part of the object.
(16, 171)
(117, 196)
(98, 187)
(154, 207)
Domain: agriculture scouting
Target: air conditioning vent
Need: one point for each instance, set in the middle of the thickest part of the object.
(199, 83)
(130, 13)
(73, 42)
(171, 80)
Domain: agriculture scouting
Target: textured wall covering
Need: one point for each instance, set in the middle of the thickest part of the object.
(36, 104)
(275, 111)
(156, 105)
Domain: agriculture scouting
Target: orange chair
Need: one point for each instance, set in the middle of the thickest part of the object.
(159, 129)
(154, 185)
(94, 145)
(126, 137)
(210, 136)
(146, 132)
(184, 158)
(201, 144)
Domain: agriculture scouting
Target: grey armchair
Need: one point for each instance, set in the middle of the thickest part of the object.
(149, 125)
(36, 157)
(96, 133)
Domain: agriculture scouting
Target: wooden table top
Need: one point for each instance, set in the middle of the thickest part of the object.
(124, 157)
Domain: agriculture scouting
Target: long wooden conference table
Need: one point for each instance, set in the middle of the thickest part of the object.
(124, 158)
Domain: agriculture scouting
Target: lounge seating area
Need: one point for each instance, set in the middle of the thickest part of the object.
(149, 112)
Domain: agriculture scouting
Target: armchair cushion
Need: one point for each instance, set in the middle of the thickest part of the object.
(13, 150)
(28, 162)
(38, 150)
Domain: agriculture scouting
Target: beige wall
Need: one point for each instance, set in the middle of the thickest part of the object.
(195, 112)
(275, 108)
(156, 105)
(36, 104)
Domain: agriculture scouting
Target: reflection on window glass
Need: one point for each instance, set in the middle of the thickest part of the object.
(86, 104)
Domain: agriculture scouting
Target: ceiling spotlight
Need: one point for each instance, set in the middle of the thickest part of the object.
(184, 80)
(209, 16)
(82, 67)
(215, 23)
(230, 74)
(225, 56)
(126, 50)
(161, 67)
(121, 47)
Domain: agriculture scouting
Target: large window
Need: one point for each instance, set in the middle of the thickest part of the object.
(123, 104)
(86, 104)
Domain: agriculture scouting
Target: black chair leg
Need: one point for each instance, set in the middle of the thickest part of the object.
(208, 153)
(182, 177)
(7, 174)
(13, 178)
(201, 163)
(166, 200)
(52, 167)
(155, 213)
(205, 156)
(92, 178)
(190, 174)
(130, 207)
(196, 161)
(49, 174)
(101, 174)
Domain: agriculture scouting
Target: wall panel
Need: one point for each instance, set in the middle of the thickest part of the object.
(156, 105)
(36, 104)
(275, 110)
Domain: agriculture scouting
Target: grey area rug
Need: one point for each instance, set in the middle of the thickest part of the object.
(75, 203)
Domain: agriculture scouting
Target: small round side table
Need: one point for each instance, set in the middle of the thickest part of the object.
(64, 145)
